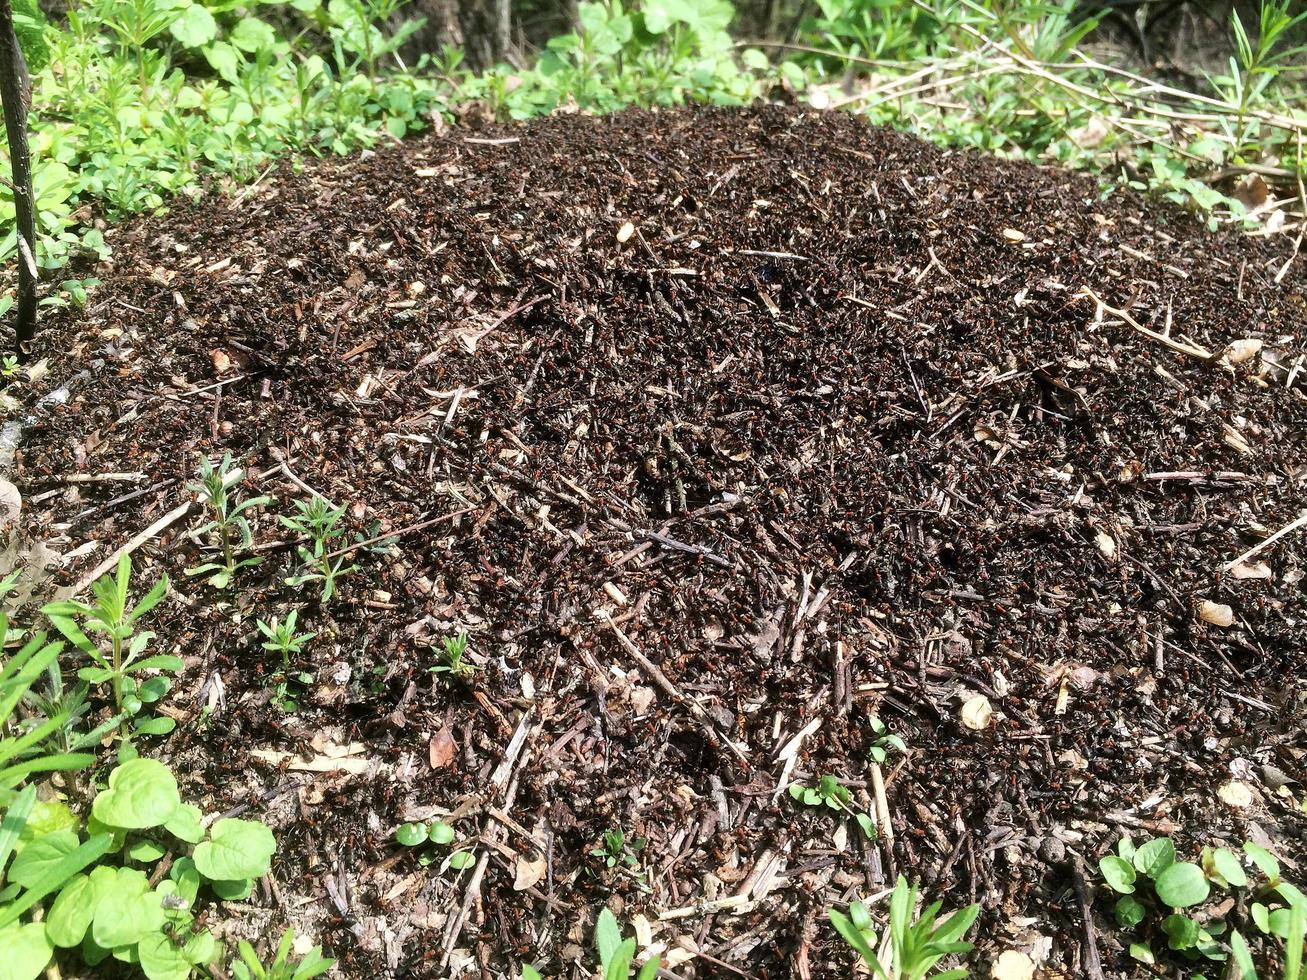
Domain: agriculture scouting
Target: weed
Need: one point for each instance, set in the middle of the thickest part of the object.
(438, 834)
(229, 522)
(318, 521)
(884, 741)
(282, 967)
(616, 954)
(831, 793)
(112, 617)
(118, 908)
(1165, 901)
(281, 637)
(917, 942)
(9, 366)
(615, 850)
(457, 668)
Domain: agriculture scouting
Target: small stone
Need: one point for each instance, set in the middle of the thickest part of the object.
(1052, 850)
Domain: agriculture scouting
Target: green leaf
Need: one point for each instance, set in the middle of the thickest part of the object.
(411, 834)
(859, 942)
(1264, 860)
(70, 915)
(1181, 931)
(253, 35)
(145, 851)
(1118, 873)
(1154, 857)
(1142, 953)
(462, 859)
(1182, 885)
(1226, 864)
(233, 891)
(55, 877)
(42, 854)
(226, 60)
(195, 26)
(235, 849)
(441, 833)
(1244, 968)
(162, 959)
(608, 937)
(619, 966)
(142, 793)
(1129, 912)
(184, 824)
(27, 951)
(126, 910)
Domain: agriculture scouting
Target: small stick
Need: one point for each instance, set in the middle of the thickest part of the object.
(397, 534)
(1193, 350)
(1266, 542)
(100, 478)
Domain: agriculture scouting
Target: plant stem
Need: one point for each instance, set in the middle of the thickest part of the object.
(15, 90)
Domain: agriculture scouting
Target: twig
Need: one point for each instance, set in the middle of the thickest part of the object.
(1266, 542)
(396, 534)
(1192, 350)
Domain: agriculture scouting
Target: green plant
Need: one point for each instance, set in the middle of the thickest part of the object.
(1168, 899)
(884, 741)
(829, 792)
(1257, 63)
(321, 524)
(111, 616)
(917, 942)
(123, 907)
(229, 522)
(616, 955)
(250, 967)
(616, 850)
(9, 366)
(282, 638)
(437, 833)
(455, 666)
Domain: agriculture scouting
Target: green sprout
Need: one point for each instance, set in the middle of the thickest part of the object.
(454, 665)
(318, 521)
(885, 742)
(229, 521)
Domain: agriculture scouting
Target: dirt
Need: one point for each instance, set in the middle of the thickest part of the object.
(756, 424)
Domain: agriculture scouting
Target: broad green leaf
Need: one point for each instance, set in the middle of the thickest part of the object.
(441, 833)
(1118, 873)
(42, 854)
(1244, 968)
(1154, 857)
(233, 891)
(26, 951)
(70, 915)
(142, 793)
(1182, 885)
(184, 824)
(852, 935)
(1129, 912)
(1264, 860)
(195, 26)
(619, 966)
(225, 59)
(608, 936)
(411, 834)
(235, 849)
(253, 35)
(55, 877)
(126, 910)
(162, 959)
(145, 851)
(1181, 931)
(1227, 865)
(15, 822)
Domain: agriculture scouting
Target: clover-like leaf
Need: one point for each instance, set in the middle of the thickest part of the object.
(441, 833)
(1181, 885)
(411, 834)
(142, 793)
(235, 849)
(1181, 931)
(70, 915)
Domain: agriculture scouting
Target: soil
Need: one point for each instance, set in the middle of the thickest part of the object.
(729, 429)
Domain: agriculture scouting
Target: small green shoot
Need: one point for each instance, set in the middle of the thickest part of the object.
(884, 742)
(282, 967)
(111, 616)
(617, 954)
(229, 521)
(318, 521)
(616, 850)
(429, 835)
(831, 793)
(9, 366)
(455, 666)
(917, 942)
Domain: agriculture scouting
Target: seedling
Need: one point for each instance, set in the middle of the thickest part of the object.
(1164, 898)
(9, 366)
(916, 944)
(112, 617)
(250, 967)
(830, 792)
(616, 955)
(282, 638)
(229, 521)
(320, 523)
(617, 851)
(437, 834)
(885, 741)
(454, 665)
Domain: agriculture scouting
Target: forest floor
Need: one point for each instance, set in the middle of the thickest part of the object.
(722, 432)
